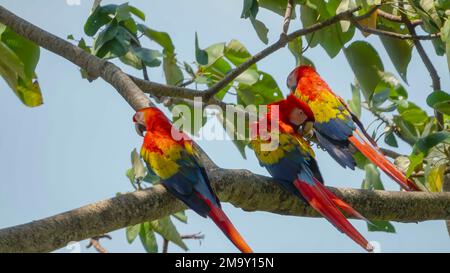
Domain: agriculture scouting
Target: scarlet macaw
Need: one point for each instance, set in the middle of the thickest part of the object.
(336, 128)
(171, 155)
(291, 162)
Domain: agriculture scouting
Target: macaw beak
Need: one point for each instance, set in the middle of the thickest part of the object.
(292, 80)
(140, 129)
(139, 124)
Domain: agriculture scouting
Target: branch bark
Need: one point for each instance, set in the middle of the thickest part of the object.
(241, 188)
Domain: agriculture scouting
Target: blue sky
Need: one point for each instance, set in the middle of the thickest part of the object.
(74, 149)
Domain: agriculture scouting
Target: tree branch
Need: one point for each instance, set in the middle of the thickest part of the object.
(436, 82)
(397, 18)
(287, 16)
(241, 188)
(411, 36)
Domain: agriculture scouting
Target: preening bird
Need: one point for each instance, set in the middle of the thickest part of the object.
(336, 128)
(171, 155)
(289, 159)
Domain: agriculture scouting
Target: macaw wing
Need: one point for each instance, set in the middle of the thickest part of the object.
(194, 171)
(292, 157)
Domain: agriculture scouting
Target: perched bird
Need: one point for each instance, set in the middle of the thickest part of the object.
(336, 128)
(289, 159)
(171, 155)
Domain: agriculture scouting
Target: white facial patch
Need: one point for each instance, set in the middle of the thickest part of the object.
(297, 116)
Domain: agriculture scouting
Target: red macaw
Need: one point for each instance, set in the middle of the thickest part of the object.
(336, 128)
(289, 159)
(171, 155)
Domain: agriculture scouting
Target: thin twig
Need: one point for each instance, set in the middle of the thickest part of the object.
(397, 18)
(390, 153)
(413, 37)
(436, 82)
(95, 242)
(287, 16)
(165, 247)
(196, 236)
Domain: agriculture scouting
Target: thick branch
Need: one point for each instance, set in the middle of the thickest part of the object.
(241, 188)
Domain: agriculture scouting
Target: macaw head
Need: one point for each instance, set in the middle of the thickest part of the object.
(296, 74)
(146, 119)
(293, 111)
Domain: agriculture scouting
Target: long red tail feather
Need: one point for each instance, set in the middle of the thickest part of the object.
(317, 197)
(342, 204)
(380, 160)
(222, 221)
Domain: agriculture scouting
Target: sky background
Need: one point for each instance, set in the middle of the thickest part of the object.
(75, 149)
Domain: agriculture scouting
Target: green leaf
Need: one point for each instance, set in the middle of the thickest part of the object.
(406, 130)
(261, 30)
(215, 52)
(148, 238)
(415, 160)
(435, 178)
(264, 91)
(440, 101)
(172, 72)
(131, 176)
(138, 167)
(248, 77)
(139, 13)
(106, 35)
(366, 64)
(372, 180)
(132, 60)
(413, 114)
(399, 52)
(101, 16)
(167, 229)
(18, 60)
(181, 216)
(424, 144)
(296, 48)
(380, 225)
(27, 51)
(250, 9)
(159, 37)
(236, 53)
(332, 38)
(150, 57)
(200, 55)
(390, 139)
(132, 232)
(360, 160)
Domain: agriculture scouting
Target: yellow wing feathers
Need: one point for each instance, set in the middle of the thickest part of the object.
(325, 106)
(285, 143)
